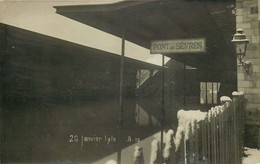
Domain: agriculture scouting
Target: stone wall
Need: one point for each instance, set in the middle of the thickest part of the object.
(248, 19)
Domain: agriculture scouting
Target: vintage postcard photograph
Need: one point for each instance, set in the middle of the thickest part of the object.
(130, 82)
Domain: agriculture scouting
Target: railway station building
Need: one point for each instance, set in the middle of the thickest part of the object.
(66, 102)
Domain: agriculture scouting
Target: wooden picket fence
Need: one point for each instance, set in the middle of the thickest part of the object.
(213, 137)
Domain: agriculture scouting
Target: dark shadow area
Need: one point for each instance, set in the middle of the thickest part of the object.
(59, 101)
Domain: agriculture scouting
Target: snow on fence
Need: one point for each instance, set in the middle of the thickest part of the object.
(211, 137)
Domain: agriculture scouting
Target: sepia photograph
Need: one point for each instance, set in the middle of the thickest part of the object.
(129, 82)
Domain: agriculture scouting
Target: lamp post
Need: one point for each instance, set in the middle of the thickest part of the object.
(240, 42)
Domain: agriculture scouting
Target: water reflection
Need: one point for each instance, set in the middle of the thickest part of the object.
(80, 132)
(143, 118)
(127, 152)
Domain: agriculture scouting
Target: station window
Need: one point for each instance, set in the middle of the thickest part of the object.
(209, 92)
(143, 75)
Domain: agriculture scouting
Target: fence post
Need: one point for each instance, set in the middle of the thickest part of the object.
(219, 142)
(154, 158)
(243, 118)
(183, 149)
(222, 139)
(209, 136)
(201, 141)
(180, 150)
(213, 139)
(189, 144)
(217, 134)
(224, 114)
(169, 148)
(226, 102)
(235, 126)
(196, 142)
(239, 113)
(205, 137)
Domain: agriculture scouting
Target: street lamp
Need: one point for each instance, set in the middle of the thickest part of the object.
(240, 42)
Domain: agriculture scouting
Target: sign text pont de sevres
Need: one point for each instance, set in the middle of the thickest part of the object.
(178, 46)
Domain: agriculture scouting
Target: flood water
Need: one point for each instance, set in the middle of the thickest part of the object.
(80, 132)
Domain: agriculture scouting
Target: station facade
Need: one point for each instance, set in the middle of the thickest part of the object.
(227, 17)
(59, 77)
(247, 18)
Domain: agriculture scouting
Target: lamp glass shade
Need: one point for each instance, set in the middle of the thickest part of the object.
(240, 47)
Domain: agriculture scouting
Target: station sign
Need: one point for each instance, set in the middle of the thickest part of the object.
(178, 46)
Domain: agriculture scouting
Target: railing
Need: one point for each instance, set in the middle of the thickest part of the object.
(211, 137)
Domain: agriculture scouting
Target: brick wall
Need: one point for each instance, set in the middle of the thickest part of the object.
(248, 19)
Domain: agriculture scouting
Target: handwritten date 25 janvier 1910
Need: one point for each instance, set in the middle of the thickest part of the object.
(106, 138)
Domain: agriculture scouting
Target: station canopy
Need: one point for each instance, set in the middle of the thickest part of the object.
(142, 22)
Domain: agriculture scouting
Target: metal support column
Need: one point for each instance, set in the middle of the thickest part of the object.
(121, 90)
(184, 82)
(121, 95)
(212, 92)
(163, 110)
